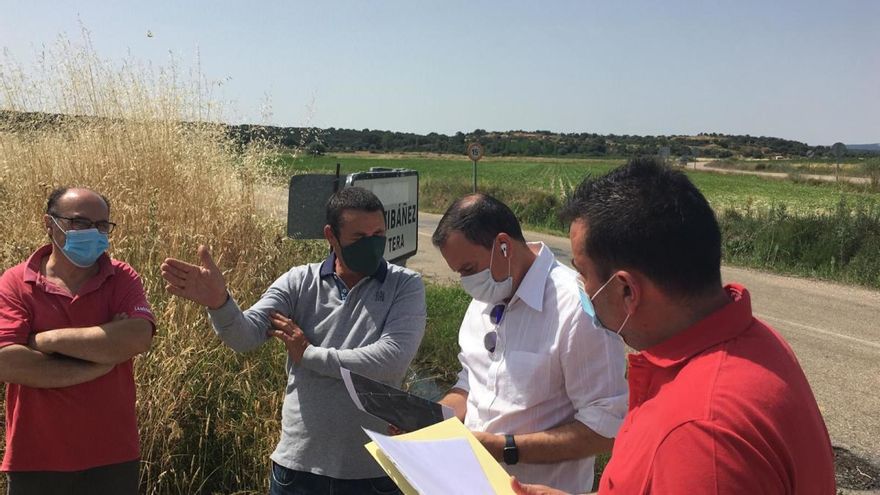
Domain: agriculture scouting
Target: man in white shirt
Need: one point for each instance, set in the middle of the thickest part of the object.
(541, 386)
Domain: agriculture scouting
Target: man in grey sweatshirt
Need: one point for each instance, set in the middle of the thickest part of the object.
(353, 310)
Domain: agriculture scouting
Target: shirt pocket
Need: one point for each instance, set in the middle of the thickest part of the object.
(531, 378)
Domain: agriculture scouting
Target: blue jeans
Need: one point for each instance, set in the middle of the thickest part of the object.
(285, 481)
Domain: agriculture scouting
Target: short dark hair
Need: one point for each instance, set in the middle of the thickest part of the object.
(649, 217)
(56, 194)
(480, 218)
(350, 198)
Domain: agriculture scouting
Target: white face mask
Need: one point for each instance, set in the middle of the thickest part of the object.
(482, 287)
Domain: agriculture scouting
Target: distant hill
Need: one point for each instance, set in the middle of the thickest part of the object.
(870, 148)
(533, 143)
(495, 143)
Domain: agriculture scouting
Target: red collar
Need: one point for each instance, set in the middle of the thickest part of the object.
(32, 271)
(724, 324)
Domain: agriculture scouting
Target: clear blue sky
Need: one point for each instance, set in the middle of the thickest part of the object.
(805, 70)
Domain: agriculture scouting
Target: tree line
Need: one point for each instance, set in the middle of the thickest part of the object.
(530, 143)
(498, 143)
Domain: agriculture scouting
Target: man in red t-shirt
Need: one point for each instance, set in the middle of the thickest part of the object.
(71, 320)
(718, 402)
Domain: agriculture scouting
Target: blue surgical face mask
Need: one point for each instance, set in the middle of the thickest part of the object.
(590, 310)
(83, 247)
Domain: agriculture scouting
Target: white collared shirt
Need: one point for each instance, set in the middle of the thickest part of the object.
(551, 366)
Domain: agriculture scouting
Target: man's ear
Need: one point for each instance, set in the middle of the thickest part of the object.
(47, 224)
(632, 290)
(504, 244)
(328, 235)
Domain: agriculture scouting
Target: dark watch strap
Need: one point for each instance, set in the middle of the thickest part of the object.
(511, 451)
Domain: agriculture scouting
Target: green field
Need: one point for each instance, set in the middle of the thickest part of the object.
(822, 230)
(536, 172)
(444, 178)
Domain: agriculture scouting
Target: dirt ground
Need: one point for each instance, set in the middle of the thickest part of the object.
(854, 474)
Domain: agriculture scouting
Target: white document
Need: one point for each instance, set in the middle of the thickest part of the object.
(436, 467)
(401, 409)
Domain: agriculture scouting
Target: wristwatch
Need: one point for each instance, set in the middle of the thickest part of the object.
(511, 451)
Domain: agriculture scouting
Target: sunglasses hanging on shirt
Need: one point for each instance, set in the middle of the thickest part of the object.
(495, 316)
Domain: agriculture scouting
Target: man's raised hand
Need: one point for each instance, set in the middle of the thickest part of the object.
(202, 283)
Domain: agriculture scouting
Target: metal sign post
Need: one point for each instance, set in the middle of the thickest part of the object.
(839, 150)
(475, 152)
(664, 153)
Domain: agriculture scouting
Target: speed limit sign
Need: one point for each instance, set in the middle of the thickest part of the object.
(475, 151)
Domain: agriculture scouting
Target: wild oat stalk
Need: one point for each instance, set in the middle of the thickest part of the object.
(145, 138)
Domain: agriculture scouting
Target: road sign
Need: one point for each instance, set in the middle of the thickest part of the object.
(475, 151)
(397, 189)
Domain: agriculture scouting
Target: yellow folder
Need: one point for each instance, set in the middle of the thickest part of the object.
(451, 428)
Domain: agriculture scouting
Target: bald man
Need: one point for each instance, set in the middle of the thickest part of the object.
(71, 320)
(541, 385)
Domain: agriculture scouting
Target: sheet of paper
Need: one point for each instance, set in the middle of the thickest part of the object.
(436, 467)
(451, 428)
(401, 409)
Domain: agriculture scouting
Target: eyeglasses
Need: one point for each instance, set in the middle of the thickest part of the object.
(79, 223)
(495, 316)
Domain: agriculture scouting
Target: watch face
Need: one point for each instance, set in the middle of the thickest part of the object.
(511, 452)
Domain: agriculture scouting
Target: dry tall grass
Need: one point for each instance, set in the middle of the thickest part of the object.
(208, 418)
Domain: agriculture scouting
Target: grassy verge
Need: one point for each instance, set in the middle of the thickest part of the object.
(437, 359)
(843, 245)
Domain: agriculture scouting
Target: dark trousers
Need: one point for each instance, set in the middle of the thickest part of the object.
(285, 481)
(115, 479)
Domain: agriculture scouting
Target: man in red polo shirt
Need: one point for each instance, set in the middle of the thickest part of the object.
(718, 402)
(71, 320)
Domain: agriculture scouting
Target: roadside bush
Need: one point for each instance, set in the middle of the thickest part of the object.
(539, 208)
(534, 207)
(842, 245)
(872, 171)
(437, 195)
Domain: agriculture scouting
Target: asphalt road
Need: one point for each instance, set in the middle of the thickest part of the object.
(833, 329)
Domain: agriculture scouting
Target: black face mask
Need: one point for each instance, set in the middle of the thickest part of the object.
(364, 255)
